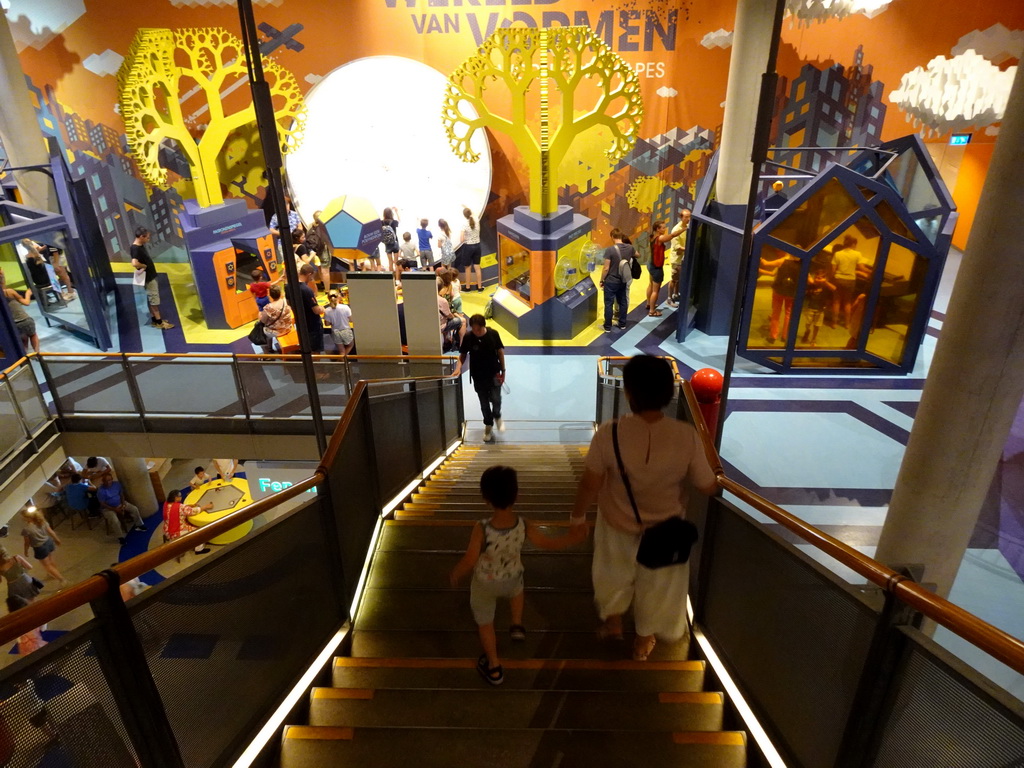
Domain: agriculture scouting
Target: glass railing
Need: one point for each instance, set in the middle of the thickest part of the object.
(186, 673)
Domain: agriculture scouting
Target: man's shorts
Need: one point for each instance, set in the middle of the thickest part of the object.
(657, 273)
(152, 293)
(483, 596)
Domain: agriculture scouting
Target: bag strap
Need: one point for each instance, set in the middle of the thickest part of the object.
(622, 471)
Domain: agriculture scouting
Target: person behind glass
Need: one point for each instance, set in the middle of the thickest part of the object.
(845, 261)
(31, 640)
(389, 219)
(199, 479)
(277, 318)
(423, 237)
(39, 536)
(486, 354)
(116, 507)
(407, 249)
(176, 515)
(52, 256)
(294, 222)
(469, 253)
(659, 236)
(339, 316)
(23, 321)
(142, 260)
(260, 287)
(15, 570)
(320, 243)
(312, 308)
(663, 458)
(784, 286)
(616, 278)
(445, 245)
(817, 296)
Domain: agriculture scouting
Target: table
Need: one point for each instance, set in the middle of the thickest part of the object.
(227, 496)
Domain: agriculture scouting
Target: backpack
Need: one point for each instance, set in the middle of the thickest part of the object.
(447, 252)
(387, 236)
(630, 264)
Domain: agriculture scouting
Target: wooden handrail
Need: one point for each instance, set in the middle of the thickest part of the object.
(46, 610)
(992, 640)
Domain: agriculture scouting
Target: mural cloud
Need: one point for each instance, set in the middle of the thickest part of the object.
(667, 93)
(997, 43)
(36, 22)
(102, 64)
(720, 38)
(966, 91)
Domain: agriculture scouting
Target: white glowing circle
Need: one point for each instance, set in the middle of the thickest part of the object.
(374, 130)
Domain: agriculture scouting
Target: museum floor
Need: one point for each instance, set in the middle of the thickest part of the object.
(826, 448)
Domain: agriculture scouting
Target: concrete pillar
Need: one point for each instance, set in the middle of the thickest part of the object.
(19, 127)
(133, 474)
(975, 383)
(751, 44)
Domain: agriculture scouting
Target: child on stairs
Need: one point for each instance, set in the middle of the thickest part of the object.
(494, 557)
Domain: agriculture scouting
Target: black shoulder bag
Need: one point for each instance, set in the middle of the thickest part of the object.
(666, 543)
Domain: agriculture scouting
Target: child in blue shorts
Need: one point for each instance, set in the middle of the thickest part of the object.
(494, 557)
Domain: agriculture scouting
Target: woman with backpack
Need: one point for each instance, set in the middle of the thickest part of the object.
(389, 238)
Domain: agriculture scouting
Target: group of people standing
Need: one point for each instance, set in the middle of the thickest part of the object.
(667, 249)
(463, 255)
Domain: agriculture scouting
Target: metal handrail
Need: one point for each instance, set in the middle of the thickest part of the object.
(992, 640)
(36, 614)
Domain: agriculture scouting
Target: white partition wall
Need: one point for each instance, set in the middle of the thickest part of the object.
(422, 322)
(371, 295)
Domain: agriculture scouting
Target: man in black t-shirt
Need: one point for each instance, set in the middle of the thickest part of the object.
(486, 370)
(142, 260)
(312, 309)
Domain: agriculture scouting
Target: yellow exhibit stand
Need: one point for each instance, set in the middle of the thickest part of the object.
(227, 496)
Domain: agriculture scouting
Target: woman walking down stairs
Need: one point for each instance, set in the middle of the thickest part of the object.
(409, 692)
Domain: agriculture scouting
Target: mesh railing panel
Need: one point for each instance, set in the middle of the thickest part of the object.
(793, 635)
(357, 507)
(275, 388)
(12, 433)
(606, 402)
(452, 415)
(30, 399)
(938, 717)
(226, 639)
(332, 388)
(82, 387)
(428, 404)
(397, 462)
(179, 387)
(56, 709)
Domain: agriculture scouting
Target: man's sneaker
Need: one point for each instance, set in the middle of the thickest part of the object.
(163, 325)
(500, 424)
(488, 434)
(607, 328)
(622, 326)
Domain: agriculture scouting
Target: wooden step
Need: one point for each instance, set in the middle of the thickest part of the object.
(524, 674)
(453, 535)
(484, 707)
(313, 747)
(430, 570)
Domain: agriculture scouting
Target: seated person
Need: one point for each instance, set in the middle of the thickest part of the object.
(176, 516)
(67, 469)
(95, 468)
(78, 494)
(116, 507)
(199, 478)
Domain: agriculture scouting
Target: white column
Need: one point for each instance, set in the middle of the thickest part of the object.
(751, 44)
(19, 127)
(133, 474)
(975, 383)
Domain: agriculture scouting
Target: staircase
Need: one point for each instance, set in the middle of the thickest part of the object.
(410, 694)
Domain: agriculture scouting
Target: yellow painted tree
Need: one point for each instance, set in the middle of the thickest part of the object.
(165, 70)
(566, 73)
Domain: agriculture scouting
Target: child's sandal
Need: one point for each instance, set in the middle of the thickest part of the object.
(493, 675)
(517, 632)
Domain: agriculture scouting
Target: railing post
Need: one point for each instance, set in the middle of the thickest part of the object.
(124, 666)
(17, 409)
(53, 393)
(237, 373)
(371, 448)
(133, 390)
(414, 408)
(857, 748)
(600, 398)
